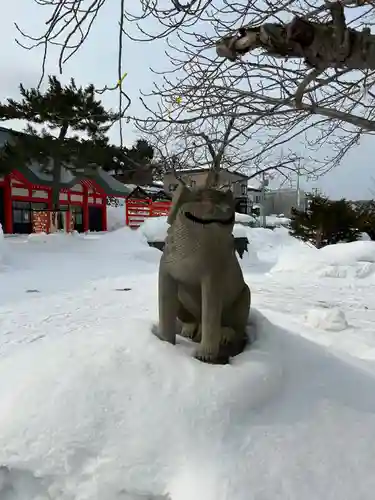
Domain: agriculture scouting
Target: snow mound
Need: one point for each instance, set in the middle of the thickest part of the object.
(124, 241)
(267, 239)
(275, 221)
(364, 237)
(343, 260)
(155, 228)
(245, 218)
(130, 243)
(271, 220)
(349, 253)
(38, 237)
(269, 244)
(239, 231)
(116, 217)
(325, 318)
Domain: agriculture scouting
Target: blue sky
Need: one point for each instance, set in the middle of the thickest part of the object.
(97, 62)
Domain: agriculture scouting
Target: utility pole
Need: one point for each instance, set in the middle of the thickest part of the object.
(263, 200)
(298, 189)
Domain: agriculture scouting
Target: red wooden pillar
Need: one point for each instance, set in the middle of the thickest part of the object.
(49, 199)
(68, 225)
(8, 215)
(104, 213)
(49, 202)
(68, 218)
(126, 212)
(85, 208)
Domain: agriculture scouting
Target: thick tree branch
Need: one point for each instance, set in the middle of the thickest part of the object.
(309, 78)
(225, 142)
(334, 114)
(320, 45)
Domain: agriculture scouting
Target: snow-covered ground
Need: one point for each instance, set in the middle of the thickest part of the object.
(94, 407)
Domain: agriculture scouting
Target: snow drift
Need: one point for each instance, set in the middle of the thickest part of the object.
(268, 243)
(343, 260)
(327, 318)
(154, 228)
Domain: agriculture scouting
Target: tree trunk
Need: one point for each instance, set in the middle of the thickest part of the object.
(319, 238)
(56, 171)
(321, 45)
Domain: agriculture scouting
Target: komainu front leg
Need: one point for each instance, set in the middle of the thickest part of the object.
(234, 338)
(209, 349)
(168, 306)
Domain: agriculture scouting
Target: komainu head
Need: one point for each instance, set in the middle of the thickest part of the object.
(203, 206)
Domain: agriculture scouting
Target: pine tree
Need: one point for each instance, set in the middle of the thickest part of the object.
(308, 225)
(131, 161)
(341, 222)
(61, 111)
(325, 222)
(141, 153)
(366, 217)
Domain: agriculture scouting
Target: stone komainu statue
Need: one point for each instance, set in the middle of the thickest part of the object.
(202, 292)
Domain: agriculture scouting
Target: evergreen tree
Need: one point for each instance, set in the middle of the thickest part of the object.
(366, 217)
(341, 223)
(130, 161)
(61, 111)
(307, 225)
(141, 153)
(325, 222)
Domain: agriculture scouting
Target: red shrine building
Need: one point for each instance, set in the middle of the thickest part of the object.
(26, 199)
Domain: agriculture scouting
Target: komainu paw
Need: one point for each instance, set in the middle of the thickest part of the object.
(227, 335)
(234, 348)
(191, 331)
(213, 357)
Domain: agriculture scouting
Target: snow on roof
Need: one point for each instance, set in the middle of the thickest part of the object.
(66, 176)
(254, 184)
(192, 170)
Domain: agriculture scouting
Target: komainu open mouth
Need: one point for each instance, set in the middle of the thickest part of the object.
(193, 218)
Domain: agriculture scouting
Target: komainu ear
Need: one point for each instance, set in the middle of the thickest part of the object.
(180, 196)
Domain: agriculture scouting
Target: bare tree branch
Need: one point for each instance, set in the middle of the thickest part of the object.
(219, 143)
(322, 114)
